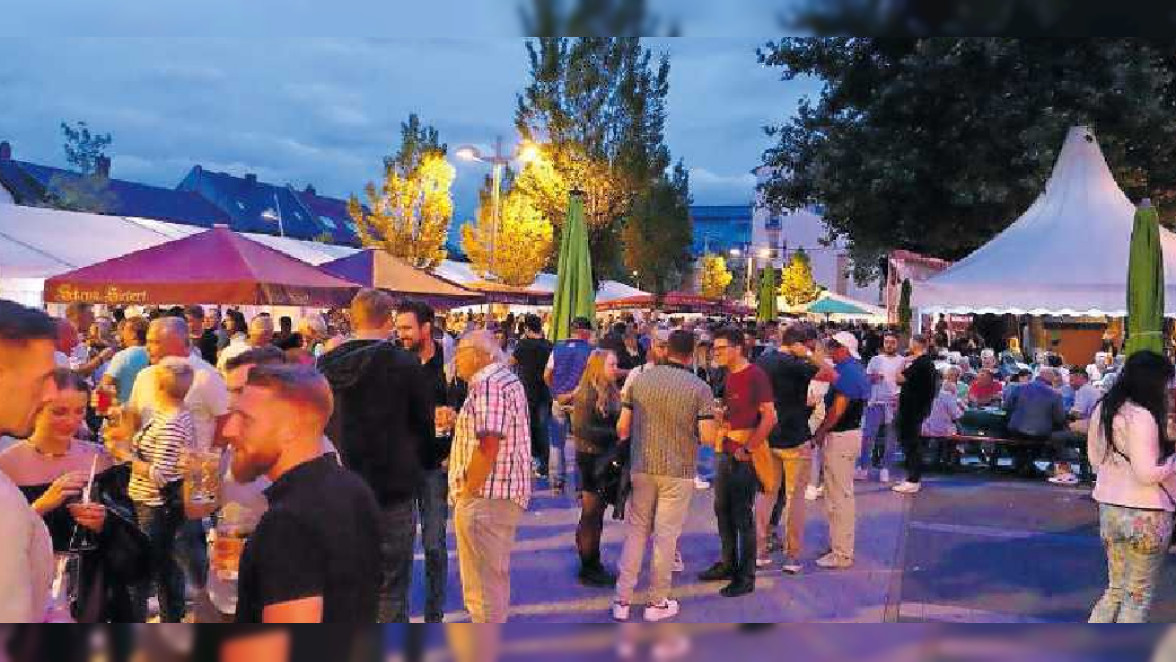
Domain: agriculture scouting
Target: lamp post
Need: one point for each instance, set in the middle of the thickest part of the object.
(525, 152)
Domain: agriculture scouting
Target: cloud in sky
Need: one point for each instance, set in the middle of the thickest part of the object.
(326, 110)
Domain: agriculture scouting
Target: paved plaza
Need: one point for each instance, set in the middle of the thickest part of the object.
(969, 549)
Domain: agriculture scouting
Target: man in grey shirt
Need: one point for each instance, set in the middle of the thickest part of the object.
(667, 412)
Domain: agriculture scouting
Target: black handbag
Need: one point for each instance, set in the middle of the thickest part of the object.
(611, 470)
(125, 549)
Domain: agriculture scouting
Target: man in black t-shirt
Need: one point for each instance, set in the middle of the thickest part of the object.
(530, 361)
(789, 370)
(316, 552)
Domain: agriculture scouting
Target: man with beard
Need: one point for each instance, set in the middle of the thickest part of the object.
(316, 551)
(26, 369)
(414, 326)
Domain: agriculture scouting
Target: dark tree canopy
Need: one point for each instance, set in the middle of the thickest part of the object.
(935, 145)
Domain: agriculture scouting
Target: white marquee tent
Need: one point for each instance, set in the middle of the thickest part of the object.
(1067, 255)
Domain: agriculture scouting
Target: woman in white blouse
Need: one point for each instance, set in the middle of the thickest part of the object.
(1129, 448)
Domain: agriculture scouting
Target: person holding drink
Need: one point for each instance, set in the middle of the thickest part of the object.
(155, 475)
(67, 482)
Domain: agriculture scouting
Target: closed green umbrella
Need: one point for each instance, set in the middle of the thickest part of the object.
(768, 309)
(575, 295)
(1145, 284)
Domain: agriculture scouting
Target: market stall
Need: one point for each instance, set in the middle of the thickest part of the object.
(216, 266)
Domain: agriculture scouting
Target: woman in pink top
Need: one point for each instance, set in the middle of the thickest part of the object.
(1129, 449)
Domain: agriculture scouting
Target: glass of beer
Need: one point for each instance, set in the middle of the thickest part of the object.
(202, 474)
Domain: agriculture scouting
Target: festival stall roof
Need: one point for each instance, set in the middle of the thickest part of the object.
(218, 266)
(610, 290)
(540, 293)
(675, 302)
(376, 268)
(840, 306)
(1067, 255)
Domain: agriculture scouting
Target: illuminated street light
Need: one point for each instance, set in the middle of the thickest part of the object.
(525, 153)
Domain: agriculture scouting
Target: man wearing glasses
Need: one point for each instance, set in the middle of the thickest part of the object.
(750, 417)
(840, 434)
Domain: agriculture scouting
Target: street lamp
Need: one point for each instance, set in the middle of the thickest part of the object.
(525, 153)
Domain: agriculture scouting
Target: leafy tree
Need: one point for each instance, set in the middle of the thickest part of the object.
(83, 148)
(89, 190)
(522, 246)
(936, 145)
(658, 234)
(797, 285)
(324, 238)
(713, 276)
(408, 215)
(595, 18)
(597, 105)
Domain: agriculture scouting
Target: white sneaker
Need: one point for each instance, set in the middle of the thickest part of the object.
(884, 476)
(813, 493)
(861, 474)
(667, 609)
(1064, 479)
(679, 564)
(620, 612)
(701, 484)
(906, 487)
(763, 563)
(831, 561)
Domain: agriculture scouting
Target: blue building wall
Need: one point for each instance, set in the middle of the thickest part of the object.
(721, 228)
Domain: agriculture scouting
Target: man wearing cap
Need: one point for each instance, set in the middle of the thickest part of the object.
(840, 434)
(565, 366)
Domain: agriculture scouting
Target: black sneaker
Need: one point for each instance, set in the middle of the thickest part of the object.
(719, 572)
(597, 577)
(737, 588)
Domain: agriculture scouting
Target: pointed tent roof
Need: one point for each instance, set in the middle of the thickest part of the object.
(218, 266)
(376, 268)
(1067, 255)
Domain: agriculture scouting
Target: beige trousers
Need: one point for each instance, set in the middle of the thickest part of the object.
(658, 506)
(485, 538)
(841, 453)
(792, 467)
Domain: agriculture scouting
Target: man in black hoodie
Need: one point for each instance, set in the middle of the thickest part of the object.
(383, 428)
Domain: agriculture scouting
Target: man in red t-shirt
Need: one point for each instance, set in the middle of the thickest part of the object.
(986, 390)
(749, 418)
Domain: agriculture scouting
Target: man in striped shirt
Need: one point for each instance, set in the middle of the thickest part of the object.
(489, 475)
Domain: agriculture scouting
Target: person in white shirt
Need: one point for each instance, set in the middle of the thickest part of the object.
(208, 399)
(883, 371)
(1129, 448)
(1086, 397)
(27, 340)
(261, 334)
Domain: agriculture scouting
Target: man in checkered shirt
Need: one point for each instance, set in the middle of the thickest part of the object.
(489, 475)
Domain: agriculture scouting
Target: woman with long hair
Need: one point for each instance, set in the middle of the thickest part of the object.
(1128, 447)
(52, 468)
(596, 408)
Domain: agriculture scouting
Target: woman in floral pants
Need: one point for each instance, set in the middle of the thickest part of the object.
(1129, 448)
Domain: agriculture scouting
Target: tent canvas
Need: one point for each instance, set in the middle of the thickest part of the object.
(217, 266)
(376, 268)
(1067, 255)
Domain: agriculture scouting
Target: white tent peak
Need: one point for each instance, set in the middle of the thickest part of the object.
(1066, 255)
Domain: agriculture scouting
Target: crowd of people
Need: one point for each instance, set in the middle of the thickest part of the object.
(338, 443)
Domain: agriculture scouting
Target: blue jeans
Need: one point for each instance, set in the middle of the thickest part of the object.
(397, 535)
(192, 552)
(166, 579)
(706, 463)
(878, 418)
(432, 507)
(558, 466)
(540, 414)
